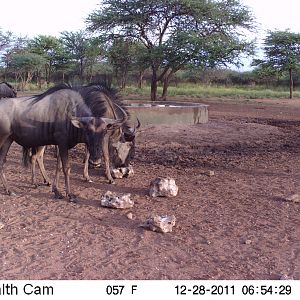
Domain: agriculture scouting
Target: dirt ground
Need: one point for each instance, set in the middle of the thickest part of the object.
(233, 225)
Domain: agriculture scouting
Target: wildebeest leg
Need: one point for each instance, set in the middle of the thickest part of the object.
(40, 161)
(55, 190)
(33, 163)
(105, 151)
(86, 165)
(63, 152)
(39, 158)
(3, 152)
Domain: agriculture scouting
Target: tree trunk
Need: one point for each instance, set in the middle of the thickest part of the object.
(28, 78)
(166, 81)
(291, 84)
(165, 88)
(123, 81)
(154, 84)
(81, 70)
(48, 74)
(124, 74)
(140, 82)
(39, 80)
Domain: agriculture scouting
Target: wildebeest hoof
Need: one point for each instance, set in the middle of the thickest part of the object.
(57, 194)
(111, 181)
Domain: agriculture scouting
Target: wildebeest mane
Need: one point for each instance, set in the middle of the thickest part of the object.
(7, 90)
(93, 98)
(38, 97)
(8, 84)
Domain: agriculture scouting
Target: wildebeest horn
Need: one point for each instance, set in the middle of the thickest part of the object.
(136, 127)
(125, 115)
(118, 122)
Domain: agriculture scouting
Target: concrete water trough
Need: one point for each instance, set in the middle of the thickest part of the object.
(168, 112)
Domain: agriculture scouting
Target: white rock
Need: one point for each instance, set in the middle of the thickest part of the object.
(122, 172)
(115, 200)
(130, 216)
(293, 198)
(286, 277)
(209, 173)
(163, 187)
(116, 173)
(160, 223)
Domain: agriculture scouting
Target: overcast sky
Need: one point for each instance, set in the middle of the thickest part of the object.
(33, 17)
(276, 14)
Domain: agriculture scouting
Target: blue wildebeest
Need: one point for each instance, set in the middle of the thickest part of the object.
(7, 90)
(57, 117)
(117, 144)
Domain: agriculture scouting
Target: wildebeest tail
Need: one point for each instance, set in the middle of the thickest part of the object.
(26, 157)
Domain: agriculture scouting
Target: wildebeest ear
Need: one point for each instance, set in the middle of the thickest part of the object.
(76, 122)
(80, 122)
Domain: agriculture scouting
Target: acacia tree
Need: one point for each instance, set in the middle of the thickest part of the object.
(24, 65)
(76, 44)
(5, 39)
(50, 48)
(202, 52)
(82, 49)
(120, 57)
(126, 55)
(94, 55)
(282, 54)
(161, 25)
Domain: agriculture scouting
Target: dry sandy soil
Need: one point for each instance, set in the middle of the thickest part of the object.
(233, 225)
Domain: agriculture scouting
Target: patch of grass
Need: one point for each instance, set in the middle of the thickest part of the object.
(201, 91)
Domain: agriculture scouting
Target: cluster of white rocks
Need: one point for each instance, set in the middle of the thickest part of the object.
(116, 200)
(159, 187)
